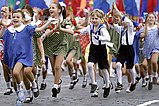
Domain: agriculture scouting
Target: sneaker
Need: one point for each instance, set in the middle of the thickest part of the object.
(21, 96)
(144, 83)
(84, 83)
(8, 92)
(118, 88)
(54, 92)
(150, 85)
(28, 99)
(154, 80)
(132, 87)
(43, 86)
(106, 92)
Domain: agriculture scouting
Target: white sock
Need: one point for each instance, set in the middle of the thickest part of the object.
(43, 81)
(91, 72)
(132, 74)
(150, 78)
(119, 72)
(106, 77)
(155, 74)
(29, 93)
(19, 86)
(56, 86)
(84, 77)
(34, 85)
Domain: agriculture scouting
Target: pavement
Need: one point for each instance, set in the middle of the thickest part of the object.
(81, 97)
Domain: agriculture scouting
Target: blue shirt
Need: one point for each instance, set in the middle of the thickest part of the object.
(18, 45)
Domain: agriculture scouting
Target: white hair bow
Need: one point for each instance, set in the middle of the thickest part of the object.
(62, 4)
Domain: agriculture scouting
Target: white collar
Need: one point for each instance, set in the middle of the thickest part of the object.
(18, 29)
(154, 27)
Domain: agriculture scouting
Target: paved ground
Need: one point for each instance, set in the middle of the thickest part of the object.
(80, 96)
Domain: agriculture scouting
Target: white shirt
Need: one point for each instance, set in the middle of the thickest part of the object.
(103, 37)
(130, 31)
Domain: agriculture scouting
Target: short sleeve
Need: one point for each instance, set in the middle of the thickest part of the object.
(31, 29)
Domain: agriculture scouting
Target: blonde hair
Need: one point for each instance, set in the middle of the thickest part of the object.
(99, 13)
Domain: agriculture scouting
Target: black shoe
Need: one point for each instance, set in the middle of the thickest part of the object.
(36, 91)
(106, 92)
(9, 91)
(132, 87)
(71, 85)
(138, 79)
(43, 86)
(75, 81)
(74, 76)
(84, 84)
(93, 88)
(150, 85)
(28, 99)
(118, 88)
(54, 92)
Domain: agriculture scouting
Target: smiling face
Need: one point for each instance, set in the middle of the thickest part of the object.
(17, 19)
(116, 18)
(54, 10)
(151, 18)
(96, 17)
(95, 20)
(4, 11)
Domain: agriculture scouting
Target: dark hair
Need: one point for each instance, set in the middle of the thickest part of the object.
(46, 14)
(62, 8)
(29, 9)
(19, 11)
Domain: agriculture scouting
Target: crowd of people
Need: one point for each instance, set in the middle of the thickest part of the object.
(31, 37)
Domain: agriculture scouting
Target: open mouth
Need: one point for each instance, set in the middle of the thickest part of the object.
(51, 12)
